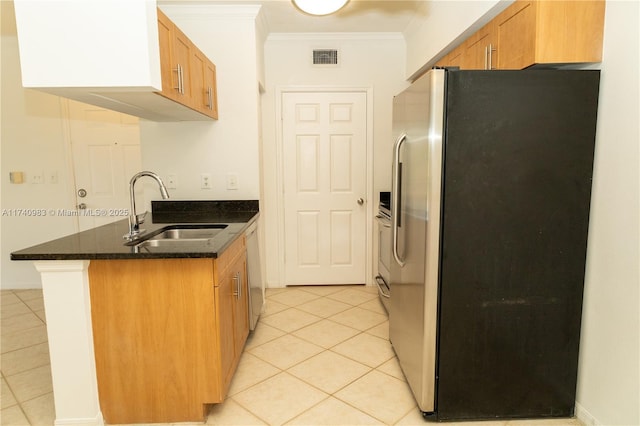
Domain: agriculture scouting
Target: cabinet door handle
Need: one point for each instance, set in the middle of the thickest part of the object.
(491, 50)
(177, 71)
(236, 280)
(181, 80)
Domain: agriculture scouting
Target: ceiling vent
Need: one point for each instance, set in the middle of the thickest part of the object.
(325, 57)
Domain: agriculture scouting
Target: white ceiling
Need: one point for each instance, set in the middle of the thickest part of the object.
(281, 16)
(370, 16)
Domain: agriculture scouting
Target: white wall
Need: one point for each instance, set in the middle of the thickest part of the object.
(32, 142)
(366, 61)
(608, 385)
(227, 35)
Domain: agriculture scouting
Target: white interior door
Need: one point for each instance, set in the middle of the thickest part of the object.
(324, 170)
(106, 154)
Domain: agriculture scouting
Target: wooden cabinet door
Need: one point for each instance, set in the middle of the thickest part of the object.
(241, 306)
(232, 309)
(211, 86)
(165, 36)
(455, 59)
(569, 31)
(175, 56)
(181, 55)
(476, 53)
(226, 327)
(198, 61)
(516, 36)
(205, 96)
(452, 59)
(549, 32)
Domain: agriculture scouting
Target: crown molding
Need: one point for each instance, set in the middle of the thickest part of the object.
(209, 10)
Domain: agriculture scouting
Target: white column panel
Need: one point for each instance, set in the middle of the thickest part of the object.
(67, 304)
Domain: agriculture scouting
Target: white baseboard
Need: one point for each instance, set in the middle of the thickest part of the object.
(586, 417)
(98, 420)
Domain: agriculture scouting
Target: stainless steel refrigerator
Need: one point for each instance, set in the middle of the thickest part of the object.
(490, 211)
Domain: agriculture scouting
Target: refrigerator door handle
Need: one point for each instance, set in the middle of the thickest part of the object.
(396, 198)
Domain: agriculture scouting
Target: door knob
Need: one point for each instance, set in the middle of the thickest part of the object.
(82, 193)
(360, 201)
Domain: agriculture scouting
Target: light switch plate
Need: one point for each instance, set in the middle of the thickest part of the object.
(52, 176)
(232, 181)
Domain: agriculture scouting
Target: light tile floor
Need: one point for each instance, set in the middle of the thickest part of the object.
(319, 356)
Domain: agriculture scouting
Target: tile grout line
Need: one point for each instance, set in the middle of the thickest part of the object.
(19, 403)
(368, 368)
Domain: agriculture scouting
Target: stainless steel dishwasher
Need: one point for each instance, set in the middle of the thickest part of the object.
(254, 275)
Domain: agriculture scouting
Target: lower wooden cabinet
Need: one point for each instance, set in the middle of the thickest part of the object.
(233, 316)
(168, 334)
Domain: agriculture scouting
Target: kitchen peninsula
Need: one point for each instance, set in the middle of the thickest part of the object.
(145, 333)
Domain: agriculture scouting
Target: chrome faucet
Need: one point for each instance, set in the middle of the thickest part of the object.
(136, 220)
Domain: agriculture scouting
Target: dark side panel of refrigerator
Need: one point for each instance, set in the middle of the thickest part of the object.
(518, 158)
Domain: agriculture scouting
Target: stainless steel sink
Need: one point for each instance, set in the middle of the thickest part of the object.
(188, 233)
(177, 236)
(171, 244)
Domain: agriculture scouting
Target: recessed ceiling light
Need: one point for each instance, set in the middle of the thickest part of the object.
(319, 7)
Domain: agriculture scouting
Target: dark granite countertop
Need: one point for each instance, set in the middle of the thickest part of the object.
(107, 242)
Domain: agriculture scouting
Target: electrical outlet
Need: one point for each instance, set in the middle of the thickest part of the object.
(37, 178)
(232, 181)
(172, 181)
(205, 181)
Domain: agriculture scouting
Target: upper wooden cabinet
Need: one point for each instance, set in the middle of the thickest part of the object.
(533, 32)
(134, 60)
(549, 32)
(184, 68)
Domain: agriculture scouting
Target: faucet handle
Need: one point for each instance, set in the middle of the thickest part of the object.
(141, 217)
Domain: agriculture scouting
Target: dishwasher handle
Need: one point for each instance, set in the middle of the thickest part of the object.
(383, 287)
